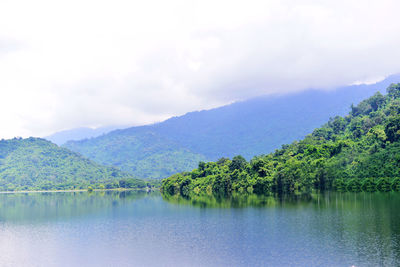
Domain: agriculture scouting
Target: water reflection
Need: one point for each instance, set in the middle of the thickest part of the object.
(31, 207)
(333, 228)
(240, 200)
(135, 228)
(361, 200)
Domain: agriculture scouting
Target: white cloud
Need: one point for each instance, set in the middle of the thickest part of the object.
(66, 64)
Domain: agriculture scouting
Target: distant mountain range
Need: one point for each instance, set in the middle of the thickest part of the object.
(62, 137)
(252, 127)
(360, 151)
(37, 164)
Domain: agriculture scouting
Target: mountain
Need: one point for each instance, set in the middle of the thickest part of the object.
(62, 137)
(34, 163)
(248, 128)
(360, 151)
(144, 153)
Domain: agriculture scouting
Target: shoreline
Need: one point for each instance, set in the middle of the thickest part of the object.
(72, 191)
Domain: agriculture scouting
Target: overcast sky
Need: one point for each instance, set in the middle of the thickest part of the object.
(66, 64)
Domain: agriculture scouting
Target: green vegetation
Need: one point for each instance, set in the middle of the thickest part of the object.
(37, 164)
(246, 128)
(358, 152)
(145, 154)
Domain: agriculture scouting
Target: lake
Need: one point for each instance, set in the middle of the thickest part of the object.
(139, 229)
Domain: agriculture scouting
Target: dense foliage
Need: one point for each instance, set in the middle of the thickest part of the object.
(37, 164)
(360, 151)
(245, 128)
(145, 154)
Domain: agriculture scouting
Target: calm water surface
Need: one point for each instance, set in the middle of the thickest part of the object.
(138, 229)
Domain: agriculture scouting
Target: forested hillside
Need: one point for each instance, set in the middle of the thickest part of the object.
(37, 164)
(360, 151)
(247, 128)
(145, 154)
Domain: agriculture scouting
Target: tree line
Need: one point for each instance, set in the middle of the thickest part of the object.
(358, 152)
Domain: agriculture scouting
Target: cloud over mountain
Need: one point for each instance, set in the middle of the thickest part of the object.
(67, 64)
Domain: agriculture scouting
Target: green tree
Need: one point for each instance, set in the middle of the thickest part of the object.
(392, 128)
(238, 163)
(394, 90)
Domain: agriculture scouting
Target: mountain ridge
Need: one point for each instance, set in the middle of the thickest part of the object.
(61, 137)
(357, 152)
(248, 128)
(37, 164)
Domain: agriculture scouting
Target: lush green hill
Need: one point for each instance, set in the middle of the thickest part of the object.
(247, 128)
(145, 154)
(34, 163)
(360, 151)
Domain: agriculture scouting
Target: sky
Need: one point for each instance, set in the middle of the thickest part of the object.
(67, 64)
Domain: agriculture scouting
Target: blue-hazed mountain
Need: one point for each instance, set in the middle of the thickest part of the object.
(247, 128)
(62, 137)
(360, 151)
